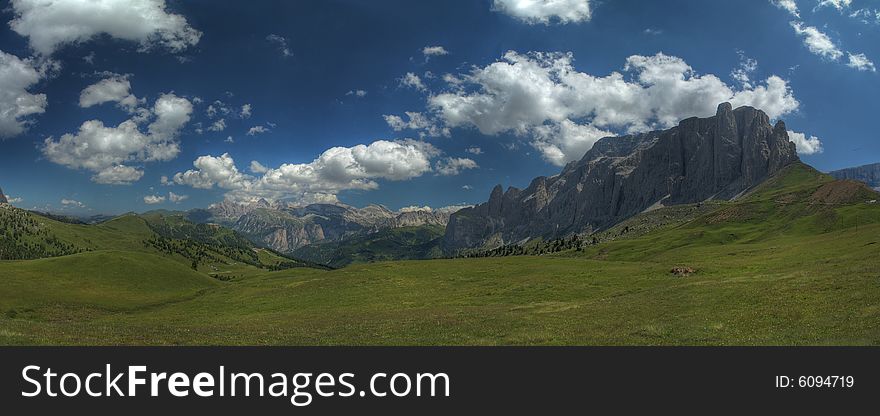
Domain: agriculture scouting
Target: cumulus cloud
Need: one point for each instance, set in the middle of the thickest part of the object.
(211, 171)
(175, 198)
(154, 199)
(429, 51)
(49, 25)
(452, 166)
(116, 88)
(412, 80)
(118, 175)
(817, 42)
(357, 93)
(861, 62)
(788, 5)
(564, 111)
(805, 145)
(107, 151)
(545, 11)
(559, 143)
(246, 111)
(335, 170)
(17, 76)
(474, 150)
(218, 125)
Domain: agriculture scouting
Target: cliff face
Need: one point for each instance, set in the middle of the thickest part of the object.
(3, 199)
(718, 157)
(869, 174)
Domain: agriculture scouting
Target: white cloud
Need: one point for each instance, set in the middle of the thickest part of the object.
(118, 175)
(116, 88)
(282, 43)
(867, 16)
(652, 32)
(467, 187)
(545, 11)
(257, 167)
(820, 44)
(175, 198)
(229, 139)
(246, 111)
(17, 76)
(107, 151)
(429, 51)
(474, 150)
(562, 142)
(805, 145)
(211, 171)
(217, 108)
(255, 130)
(154, 199)
(788, 5)
(416, 121)
(357, 93)
(218, 125)
(817, 42)
(335, 170)
(743, 73)
(542, 96)
(861, 62)
(452, 166)
(412, 80)
(48, 25)
(72, 203)
(837, 4)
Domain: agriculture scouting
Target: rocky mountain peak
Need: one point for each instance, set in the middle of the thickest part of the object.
(3, 199)
(718, 157)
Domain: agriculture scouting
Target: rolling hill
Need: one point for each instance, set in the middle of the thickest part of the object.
(403, 243)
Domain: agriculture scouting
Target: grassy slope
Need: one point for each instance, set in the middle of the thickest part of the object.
(786, 265)
(385, 245)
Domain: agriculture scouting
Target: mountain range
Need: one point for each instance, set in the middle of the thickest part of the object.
(869, 174)
(287, 227)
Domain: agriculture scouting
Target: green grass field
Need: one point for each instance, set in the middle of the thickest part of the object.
(795, 263)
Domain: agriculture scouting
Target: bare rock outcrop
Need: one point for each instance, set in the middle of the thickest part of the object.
(718, 157)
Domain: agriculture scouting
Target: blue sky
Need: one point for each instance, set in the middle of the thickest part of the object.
(501, 92)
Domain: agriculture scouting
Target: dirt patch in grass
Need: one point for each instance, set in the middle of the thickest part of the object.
(841, 192)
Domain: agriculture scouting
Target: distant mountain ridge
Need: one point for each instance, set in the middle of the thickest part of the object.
(286, 227)
(718, 157)
(869, 174)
